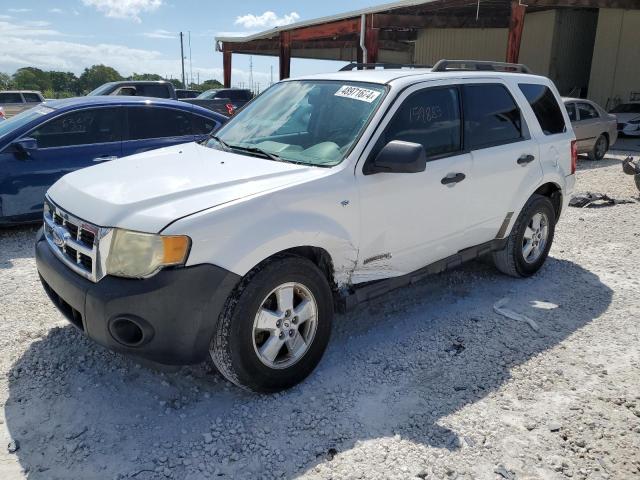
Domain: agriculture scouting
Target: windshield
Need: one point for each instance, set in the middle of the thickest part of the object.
(101, 90)
(207, 95)
(22, 119)
(627, 108)
(308, 122)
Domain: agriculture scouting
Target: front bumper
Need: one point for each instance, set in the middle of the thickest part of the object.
(176, 310)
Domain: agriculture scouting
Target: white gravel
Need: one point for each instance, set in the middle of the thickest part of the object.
(428, 382)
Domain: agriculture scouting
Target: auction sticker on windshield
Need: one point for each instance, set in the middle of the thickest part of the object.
(357, 93)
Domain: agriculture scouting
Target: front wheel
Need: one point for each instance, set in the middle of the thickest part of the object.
(599, 148)
(275, 327)
(531, 237)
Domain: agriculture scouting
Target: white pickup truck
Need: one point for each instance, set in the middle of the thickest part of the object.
(323, 192)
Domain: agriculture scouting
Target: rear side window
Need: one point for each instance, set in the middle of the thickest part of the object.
(32, 97)
(545, 107)
(587, 111)
(202, 125)
(571, 110)
(85, 127)
(9, 97)
(429, 117)
(157, 122)
(491, 116)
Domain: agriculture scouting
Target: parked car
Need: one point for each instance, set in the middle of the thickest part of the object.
(162, 89)
(184, 93)
(40, 145)
(223, 100)
(628, 115)
(15, 101)
(137, 88)
(595, 129)
(241, 247)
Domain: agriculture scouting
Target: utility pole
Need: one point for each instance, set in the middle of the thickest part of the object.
(184, 85)
(251, 73)
(271, 82)
(190, 65)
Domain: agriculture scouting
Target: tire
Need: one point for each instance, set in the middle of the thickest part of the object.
(240, 348)
(599, 148)
(511, 259)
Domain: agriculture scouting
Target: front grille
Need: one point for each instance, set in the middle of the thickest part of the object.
(74, 241)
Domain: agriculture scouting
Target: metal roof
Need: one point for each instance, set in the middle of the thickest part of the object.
(331, 18)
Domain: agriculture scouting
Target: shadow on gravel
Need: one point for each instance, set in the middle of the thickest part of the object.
(397, 366)
(584, 163)
(17, 242)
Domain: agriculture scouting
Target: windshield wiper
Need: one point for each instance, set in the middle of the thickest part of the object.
(224, 144)
(259, 151)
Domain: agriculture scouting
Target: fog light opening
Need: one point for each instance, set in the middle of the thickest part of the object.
(127, 332)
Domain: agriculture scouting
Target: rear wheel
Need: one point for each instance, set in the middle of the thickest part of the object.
(599, 148)
(276, 327)
(531, 237)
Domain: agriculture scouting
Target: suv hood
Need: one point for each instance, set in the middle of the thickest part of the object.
(147, 191)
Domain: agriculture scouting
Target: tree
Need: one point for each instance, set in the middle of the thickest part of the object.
(97, 75)
(209, 84)
(145, 76)
(65, 82)
(5, 81)
(176, 83)
(31, 78)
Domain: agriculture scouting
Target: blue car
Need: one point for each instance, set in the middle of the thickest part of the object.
(42, 144)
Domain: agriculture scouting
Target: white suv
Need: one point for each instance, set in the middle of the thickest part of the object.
(323, 192)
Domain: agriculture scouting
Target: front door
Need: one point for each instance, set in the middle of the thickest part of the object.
(66, 143)
(410, 220)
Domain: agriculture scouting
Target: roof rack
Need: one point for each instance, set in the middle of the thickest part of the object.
(354, 65)
(453, 65)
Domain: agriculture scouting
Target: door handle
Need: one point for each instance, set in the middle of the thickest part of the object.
(106, 158)
(524, 159)
(453, 178)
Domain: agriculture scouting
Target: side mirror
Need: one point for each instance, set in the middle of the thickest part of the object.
(398, 157)
(25, 146)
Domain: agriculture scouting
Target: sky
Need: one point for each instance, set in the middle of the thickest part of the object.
(142, 35)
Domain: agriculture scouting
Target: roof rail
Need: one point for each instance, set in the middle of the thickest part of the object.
(487, 66)
(354, 65)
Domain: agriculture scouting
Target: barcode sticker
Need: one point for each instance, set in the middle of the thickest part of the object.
(357, 93)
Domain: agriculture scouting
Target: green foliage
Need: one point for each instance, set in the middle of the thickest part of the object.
(97, 75)
(57, 84)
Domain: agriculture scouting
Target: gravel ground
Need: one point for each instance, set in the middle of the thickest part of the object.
(428, 382)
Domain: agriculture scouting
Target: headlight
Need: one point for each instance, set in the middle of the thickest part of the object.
(139, 255)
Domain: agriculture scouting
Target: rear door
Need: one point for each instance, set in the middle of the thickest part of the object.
(66, 143)
(11, 102)
(504, 156)
(588, 126)
(151, 126)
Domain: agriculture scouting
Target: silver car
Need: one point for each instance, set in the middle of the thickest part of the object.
(628, 115)
(16, 101)
(595, 129)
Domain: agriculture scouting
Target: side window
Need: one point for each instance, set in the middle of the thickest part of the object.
(545, 107)
(157, 122)
(203, 125)
(85, 127)
(571, 110)
(430, 117)
(491, 116)
(32, 98)
(157, 91)
(587, 111)
(10, 97)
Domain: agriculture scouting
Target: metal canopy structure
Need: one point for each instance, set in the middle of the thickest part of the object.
(387, 32)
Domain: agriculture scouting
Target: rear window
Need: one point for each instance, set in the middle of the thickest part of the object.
(491, 116)
(545, 107)
(9, 97)
(32, 97)
(158, 91)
